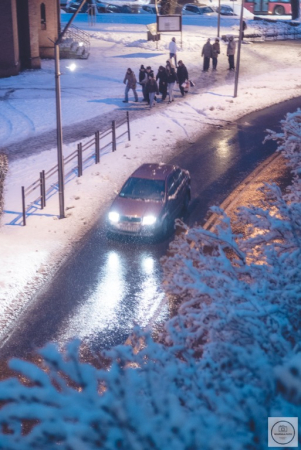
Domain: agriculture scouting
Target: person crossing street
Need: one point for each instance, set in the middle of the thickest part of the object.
(131, 83)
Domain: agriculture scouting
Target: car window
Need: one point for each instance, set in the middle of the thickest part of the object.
(177, 178)
(207, 10)
(143, 189)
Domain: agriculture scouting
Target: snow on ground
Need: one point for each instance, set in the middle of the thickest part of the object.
(29, 255)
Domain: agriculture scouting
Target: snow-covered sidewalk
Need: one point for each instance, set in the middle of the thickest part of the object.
(31, 254)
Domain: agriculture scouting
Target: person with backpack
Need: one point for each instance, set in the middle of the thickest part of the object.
(131, 83)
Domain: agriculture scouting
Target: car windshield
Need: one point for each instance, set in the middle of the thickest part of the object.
(144, 189)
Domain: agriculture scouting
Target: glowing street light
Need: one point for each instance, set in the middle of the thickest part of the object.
(72, 67)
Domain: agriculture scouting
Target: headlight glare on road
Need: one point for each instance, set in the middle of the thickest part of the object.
(148, 220)
(113, 216)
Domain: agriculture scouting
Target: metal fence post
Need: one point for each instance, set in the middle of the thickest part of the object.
(128, 124)
(44, 187)
(23, 206)
(97, 147)
(41, 190)
(113, 136)
(79, 160)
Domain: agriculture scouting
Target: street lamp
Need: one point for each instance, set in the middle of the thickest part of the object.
(219, 18)
(59, 130)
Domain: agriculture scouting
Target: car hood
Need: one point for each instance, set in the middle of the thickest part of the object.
(139, 208)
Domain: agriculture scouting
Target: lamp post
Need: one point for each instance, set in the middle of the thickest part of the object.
(59, 130)
(239, 46)
(219, 18)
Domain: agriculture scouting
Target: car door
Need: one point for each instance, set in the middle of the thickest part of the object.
(171, 198)
(181, 189)
(175, 193)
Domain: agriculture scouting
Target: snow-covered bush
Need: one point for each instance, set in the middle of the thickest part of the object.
(229, 359)
(150, 399)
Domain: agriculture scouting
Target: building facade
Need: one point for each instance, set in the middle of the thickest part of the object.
(27, 31)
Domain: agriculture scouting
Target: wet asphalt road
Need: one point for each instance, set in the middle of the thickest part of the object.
(108, 286)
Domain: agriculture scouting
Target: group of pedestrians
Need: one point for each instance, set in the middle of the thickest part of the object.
(163, 83)
(211, 51)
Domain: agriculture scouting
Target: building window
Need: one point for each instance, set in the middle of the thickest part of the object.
(43, 16)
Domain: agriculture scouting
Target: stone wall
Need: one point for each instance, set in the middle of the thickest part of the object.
(49, 29)
(27, 28)
(9, 48)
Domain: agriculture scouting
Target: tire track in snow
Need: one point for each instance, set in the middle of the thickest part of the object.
(5, 128)
(18, 121)
(177, 122)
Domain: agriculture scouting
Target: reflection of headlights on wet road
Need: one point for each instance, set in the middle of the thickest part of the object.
(149, 220)
(113, 217)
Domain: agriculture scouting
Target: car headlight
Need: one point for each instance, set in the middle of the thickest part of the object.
(149, 220)
(113, 216)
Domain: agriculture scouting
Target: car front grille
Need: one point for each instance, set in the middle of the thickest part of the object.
(130, 219)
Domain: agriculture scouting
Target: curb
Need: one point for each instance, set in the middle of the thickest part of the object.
(236, 194)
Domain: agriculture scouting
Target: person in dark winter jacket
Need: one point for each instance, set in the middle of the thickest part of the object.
(142, 73)
(131, 83)
(207, 54)
(171, 79)
(148, 72)
(215, 52)
(151, 89)
(182, 74)
(231, 52)
(162, 77)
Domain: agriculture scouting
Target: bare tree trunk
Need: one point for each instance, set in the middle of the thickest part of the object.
(295, 4)
(168, 7)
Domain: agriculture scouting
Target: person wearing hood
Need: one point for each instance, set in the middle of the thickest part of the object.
(231, 52)
(207, 54)
(215, 52)
(173, 50)
(131, 83)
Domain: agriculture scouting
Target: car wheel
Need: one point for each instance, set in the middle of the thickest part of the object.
(279, 10)
(165, 227)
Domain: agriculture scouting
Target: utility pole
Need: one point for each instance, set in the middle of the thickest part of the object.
(219, 18)
(239, 46)
(59, 130)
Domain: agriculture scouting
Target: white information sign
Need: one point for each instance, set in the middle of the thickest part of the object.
(169, 23)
